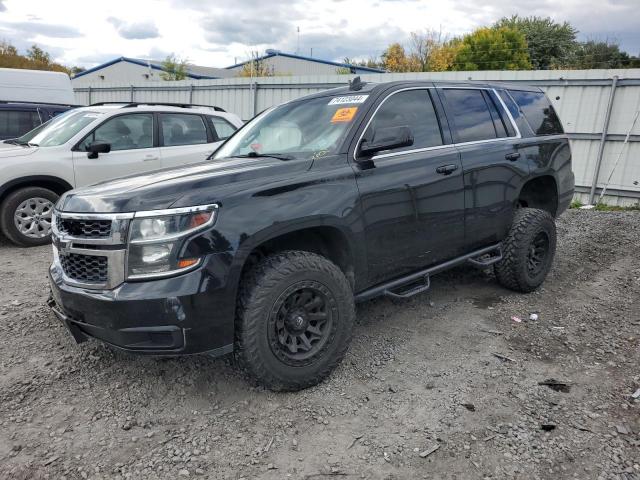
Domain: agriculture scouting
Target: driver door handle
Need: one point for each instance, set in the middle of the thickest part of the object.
(513, 156)
(150, 158)
(447, 169)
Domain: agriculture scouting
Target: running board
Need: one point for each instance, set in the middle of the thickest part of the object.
(418, 282)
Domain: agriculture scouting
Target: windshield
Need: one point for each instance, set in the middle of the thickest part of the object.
(27, 137)
(62, 128)
(301, 129)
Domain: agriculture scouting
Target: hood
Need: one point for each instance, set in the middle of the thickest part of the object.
(199, 184)
(8, 150)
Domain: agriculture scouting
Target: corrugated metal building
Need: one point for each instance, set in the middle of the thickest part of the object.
(581, 97)
(282, 64)
(136, 70)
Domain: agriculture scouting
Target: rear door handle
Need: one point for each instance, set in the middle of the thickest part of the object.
(447, 169)
(150, 158)
(513, 156)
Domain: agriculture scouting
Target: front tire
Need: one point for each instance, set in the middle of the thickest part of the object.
(528, 250)
(25, 216)
(295, 316)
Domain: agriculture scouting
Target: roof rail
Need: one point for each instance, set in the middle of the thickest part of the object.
(164, 104)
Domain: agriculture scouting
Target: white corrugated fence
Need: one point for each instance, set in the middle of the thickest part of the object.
(581, 97)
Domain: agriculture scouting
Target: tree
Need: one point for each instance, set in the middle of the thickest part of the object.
(7, 49)
(76, 70)
(257, 68)
(38, 55)
(492, 49)
(598, 54)
(395, 59)
(442, 58)
(371, 62)
(35, 59)
(422, 47)
(174, 68)
(550, 44)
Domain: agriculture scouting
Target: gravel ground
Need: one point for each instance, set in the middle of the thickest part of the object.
(441, 386)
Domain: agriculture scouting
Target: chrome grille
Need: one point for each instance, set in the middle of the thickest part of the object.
(85, 268)
(82, 228)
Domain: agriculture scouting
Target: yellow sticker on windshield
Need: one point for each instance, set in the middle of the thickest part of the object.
(344, 114)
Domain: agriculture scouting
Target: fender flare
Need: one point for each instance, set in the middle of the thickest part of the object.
(33, 179)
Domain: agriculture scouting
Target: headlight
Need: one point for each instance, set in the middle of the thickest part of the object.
(155, 239)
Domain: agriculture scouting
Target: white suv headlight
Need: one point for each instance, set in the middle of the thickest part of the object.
(155, 238)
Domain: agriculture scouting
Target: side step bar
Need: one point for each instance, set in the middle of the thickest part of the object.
(418, 282)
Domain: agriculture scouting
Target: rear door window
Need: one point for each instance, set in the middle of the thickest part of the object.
(14, 123)
(538, 111)
(182, 129)
(472, 115)
(411, 108)
(222, 129)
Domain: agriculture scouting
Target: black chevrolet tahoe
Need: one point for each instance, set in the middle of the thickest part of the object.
(313, 205)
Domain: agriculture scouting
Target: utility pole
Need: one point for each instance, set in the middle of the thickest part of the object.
(298, 47)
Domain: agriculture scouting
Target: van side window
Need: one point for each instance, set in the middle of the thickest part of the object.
(411, 108)
(14, 123)
(471, 115)
(538, 111)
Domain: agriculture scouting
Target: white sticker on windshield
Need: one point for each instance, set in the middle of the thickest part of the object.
(348, 99)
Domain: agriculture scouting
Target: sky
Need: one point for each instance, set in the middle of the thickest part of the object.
(218, 33)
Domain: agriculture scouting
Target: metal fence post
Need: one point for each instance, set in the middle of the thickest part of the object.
(191, 93)
(89, 102)
(131, 99)
(603, 139)
(255, 98)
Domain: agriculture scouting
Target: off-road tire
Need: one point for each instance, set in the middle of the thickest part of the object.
(262, 289)
(7, 211)
(513, 271)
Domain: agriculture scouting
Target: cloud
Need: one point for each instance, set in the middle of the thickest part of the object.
(96, 59)
(134, 31)
(3, 8)
(156, 54)
(248, 30)
(356, 44)
(44, 29)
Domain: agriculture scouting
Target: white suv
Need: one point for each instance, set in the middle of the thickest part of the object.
(97, 143)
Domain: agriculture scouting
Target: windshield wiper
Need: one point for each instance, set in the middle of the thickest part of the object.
(279, 156)
(15, 141)
(33, 144)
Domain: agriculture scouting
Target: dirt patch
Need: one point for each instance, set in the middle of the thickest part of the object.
(422, 393)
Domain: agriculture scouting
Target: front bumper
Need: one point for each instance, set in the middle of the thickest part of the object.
(190, 313)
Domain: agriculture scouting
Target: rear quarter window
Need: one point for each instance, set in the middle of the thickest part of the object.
(538, 111)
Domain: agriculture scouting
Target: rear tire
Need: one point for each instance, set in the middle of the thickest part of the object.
(294, 320)
(527, 251)
(25, 216)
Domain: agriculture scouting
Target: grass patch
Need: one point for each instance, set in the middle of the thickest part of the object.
(602, 207)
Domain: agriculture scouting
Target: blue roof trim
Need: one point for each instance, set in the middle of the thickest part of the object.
(311, 59)
(135, 61)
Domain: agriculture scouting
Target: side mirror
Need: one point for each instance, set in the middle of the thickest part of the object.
(386, 139)
(95, 148)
